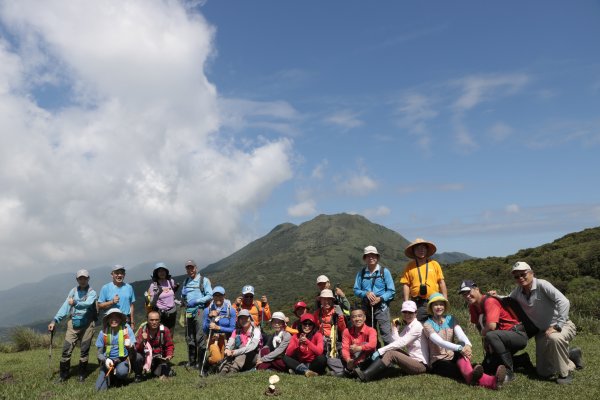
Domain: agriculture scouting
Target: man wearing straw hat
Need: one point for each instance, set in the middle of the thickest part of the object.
(422, 276)
(375, 286)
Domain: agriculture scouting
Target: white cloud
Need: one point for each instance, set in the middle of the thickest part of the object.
(304, 208)
(345, 119)
(357, 185)
(380, 211)
(477, 89)
(319, 171)
(500, 131)
(131, 167)
(241, 114)
(443, 187)
(512, 209)
(415, 110)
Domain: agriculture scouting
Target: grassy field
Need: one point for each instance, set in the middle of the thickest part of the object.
(25, 375)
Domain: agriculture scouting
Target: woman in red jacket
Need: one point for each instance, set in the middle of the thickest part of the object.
(304, 355)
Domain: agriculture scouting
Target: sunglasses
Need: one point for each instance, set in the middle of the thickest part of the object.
(519, 276)
(307, 323)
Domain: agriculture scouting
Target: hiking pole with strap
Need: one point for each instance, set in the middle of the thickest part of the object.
(206, 352)
(50, 354)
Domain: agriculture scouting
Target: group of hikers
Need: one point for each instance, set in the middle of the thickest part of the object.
(363, 342)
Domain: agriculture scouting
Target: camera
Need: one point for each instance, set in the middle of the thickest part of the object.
(422, 290)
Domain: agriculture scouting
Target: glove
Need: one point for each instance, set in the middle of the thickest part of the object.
(184, 291)
(109, 363)
(375, 356)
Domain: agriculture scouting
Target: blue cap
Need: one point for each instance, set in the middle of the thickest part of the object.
(218, 289)
(248, 289)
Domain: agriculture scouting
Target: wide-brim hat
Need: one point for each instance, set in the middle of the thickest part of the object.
(322, 279)
(437, 297)
(370, 250)
(114, 311)
(160, 265)
(409, 251)
(326, 294)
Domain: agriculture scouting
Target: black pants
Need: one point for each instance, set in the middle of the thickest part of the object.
(317, 365)
(501, 345)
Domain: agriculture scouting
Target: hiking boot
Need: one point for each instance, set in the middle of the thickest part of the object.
(576, 356)
(564, 380)
(82, 371)
(510, 376)
(65, 366)
(477, 374)
(523, 362)
(500, 376)
(372, 372)
(138, 378)
(310, 374)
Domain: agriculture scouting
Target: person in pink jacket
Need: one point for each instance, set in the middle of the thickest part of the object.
(304, 355)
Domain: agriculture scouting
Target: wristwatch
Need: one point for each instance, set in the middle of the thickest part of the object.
(557, 328)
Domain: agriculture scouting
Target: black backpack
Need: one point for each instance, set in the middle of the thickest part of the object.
(514, 308)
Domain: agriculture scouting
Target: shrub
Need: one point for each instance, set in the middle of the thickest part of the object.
(27, 339)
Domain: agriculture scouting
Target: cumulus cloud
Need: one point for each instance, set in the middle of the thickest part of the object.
(359, 184)
(126, 167)
(305, 208)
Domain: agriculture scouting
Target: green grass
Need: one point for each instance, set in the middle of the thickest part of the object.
(30, 380)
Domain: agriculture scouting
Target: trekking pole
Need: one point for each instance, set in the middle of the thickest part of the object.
(206, 352)
(50, 355)
(106, 376)
(372, 317)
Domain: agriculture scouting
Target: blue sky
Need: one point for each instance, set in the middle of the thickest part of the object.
(146, 130)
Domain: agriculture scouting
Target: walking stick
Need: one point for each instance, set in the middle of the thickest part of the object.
(206, 352)
(50, 355)
(372, 317)
(106, 376)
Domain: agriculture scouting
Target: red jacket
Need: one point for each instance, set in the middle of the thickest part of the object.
(324, 322)
(165, 350)
(366, 338)
(306, 352)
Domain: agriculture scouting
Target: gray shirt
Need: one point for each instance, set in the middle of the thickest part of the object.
(546, 306)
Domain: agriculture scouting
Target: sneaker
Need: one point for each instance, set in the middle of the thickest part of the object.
(575, 356)
(564, 380)
(510, 375)
(500, 376)
(477, 374)
(310, 374)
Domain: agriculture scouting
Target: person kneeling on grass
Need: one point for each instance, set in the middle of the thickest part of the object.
(115, 343)
(358, 343)
(448, 358)
(304, 355)
(411, 361)
(241, 350)
(271, 354)
(154, 348)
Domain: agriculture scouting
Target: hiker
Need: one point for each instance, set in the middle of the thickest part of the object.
(548, 309)
(503, 333)
(332, 326)
(341, 303)
(80, 307)
(358, 343)
(118, 294)
(300, 308)
(241, 350)
(161, 295)
(115, 344)
(448, 358)
(375, 286)
(260, 312)
(154, 348)
(304, 355)
(270, 355)
(219, 323)
(422, 276)
(196, 294)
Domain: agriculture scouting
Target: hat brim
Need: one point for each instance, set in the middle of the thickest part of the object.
(435, 300)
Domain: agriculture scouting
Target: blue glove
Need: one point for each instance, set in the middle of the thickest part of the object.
(184, 291)
(375, 356)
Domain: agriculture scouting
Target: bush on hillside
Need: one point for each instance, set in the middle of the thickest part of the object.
(27, 339)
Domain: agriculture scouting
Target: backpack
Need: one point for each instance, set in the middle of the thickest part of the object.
(94, 309)
(374, 277)
(150, 300)
(516, 311)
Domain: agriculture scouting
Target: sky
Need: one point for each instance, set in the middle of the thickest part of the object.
(144, 130)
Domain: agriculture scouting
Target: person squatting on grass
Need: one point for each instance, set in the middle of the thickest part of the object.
(118, 294)
(241, 350)
(304, 355)
(271, 354)
(375, 286)
(548, 309)
(196, 294)
(422, 276)
(407, 351)
(448, 358)
(154, 348)
(80, 307)
(331, 325)
(358, 343)
(115, 344)
(502, 332)
(161, 295)
(219, 323)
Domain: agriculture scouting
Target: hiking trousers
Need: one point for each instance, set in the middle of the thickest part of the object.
(84, 335)
(406, 363)
(383, 321)
(505, 343)
(552, 353)
(243, 362)
(195, 336)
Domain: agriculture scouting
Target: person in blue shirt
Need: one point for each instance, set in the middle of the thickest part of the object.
(375, 286)
(80, 307)
(219, 322)
(115, 344)
(196, 294)
(118, 294)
